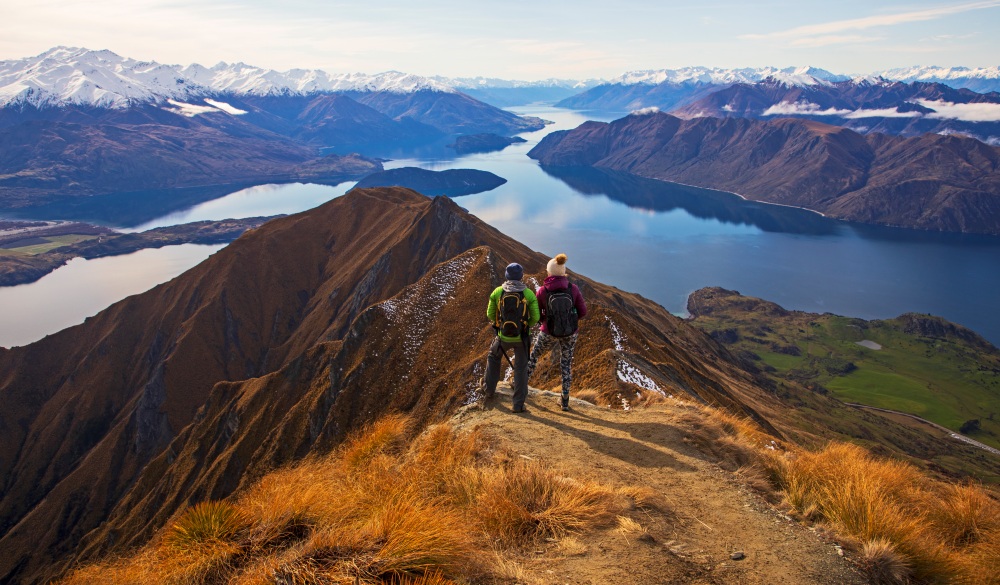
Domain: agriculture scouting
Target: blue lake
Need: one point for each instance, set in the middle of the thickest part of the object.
(658, 239)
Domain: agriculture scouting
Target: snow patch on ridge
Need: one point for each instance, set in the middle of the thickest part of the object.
(632, 375)
(418, 305)
(617, 337)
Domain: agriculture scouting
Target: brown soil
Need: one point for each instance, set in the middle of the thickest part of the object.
(707, 513)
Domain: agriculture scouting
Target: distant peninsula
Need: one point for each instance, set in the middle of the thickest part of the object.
(29, 258)
(930, 182)
(470, 143)
(451, 183)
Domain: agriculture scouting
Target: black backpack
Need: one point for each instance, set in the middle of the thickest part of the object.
(560, 312)
(512, 314)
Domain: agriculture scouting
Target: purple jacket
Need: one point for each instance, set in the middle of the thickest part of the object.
(554, 283)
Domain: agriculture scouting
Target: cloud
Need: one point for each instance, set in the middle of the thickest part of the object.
(645, 111)
(826, 40)
(829, 30)
(881, 113)
(802, 109)
(811, 109)
(964, 112)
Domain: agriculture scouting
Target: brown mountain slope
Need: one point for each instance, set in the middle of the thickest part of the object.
(930, 182)
(274, 348)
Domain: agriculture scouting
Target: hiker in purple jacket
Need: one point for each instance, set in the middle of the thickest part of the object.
(554, 330)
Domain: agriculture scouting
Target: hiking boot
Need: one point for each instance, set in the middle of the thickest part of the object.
(519, 410)
(565, 403)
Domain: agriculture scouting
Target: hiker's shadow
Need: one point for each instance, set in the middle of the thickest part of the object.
(621, 448)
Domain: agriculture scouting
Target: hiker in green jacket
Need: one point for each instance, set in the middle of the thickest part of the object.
(513, 309)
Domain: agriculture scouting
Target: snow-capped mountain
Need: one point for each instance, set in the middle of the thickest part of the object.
(980, 79)
(506, 92)
(864, 104)
(672, 88)
(463, 83)
(75, 76)
(719, 76)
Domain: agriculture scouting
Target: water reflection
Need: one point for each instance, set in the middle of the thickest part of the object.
(144, 210)
(648, 194)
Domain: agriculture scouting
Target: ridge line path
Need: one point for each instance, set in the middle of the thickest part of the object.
(707, 513)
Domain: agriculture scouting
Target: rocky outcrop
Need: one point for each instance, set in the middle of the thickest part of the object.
(932, 182)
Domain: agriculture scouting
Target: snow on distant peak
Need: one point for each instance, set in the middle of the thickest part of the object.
(461, 83)
(390, 81)
(77, 76)
(68, 75)
(790, 75)
(934, 73)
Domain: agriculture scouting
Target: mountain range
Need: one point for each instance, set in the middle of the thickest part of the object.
(934, 182)
(77, 122)
(670, 88)
(919, 102)
(878, 105)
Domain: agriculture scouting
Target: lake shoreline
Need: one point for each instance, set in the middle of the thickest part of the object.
(25, 269)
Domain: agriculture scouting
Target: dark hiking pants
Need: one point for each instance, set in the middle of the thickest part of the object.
(520, 383)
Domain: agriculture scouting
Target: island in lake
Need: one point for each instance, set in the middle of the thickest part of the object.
(471, 143)
(451, 183)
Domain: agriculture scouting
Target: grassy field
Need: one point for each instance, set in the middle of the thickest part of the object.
(948, 377)
(51, 243)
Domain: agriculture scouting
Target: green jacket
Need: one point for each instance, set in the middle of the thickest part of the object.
(533, 314)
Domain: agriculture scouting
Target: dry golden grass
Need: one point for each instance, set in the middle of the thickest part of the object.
(572, 546)
(385, 508)
(903, 524)
(906, 522)
(881, 561)
(587, 395)
(629, 529)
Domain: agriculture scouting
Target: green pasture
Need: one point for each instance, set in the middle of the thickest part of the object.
(51, 243)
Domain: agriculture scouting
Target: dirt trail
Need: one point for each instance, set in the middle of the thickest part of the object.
(710, 514)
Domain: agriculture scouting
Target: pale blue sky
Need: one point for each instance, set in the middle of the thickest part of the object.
(515, 39)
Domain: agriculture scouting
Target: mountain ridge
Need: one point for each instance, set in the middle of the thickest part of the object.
(932, 182)
(282, 309)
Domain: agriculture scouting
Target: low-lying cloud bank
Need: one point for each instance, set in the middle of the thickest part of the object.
(975, 112)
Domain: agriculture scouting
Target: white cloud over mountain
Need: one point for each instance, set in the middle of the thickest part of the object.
(977, 112)
(964, 112)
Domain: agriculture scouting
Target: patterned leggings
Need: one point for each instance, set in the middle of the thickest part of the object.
(543, 343)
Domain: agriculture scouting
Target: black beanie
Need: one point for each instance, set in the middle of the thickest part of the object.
(514, 271)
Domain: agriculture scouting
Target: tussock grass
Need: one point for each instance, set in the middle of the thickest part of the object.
(904, 524)
(387, 507)
(207, 521)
